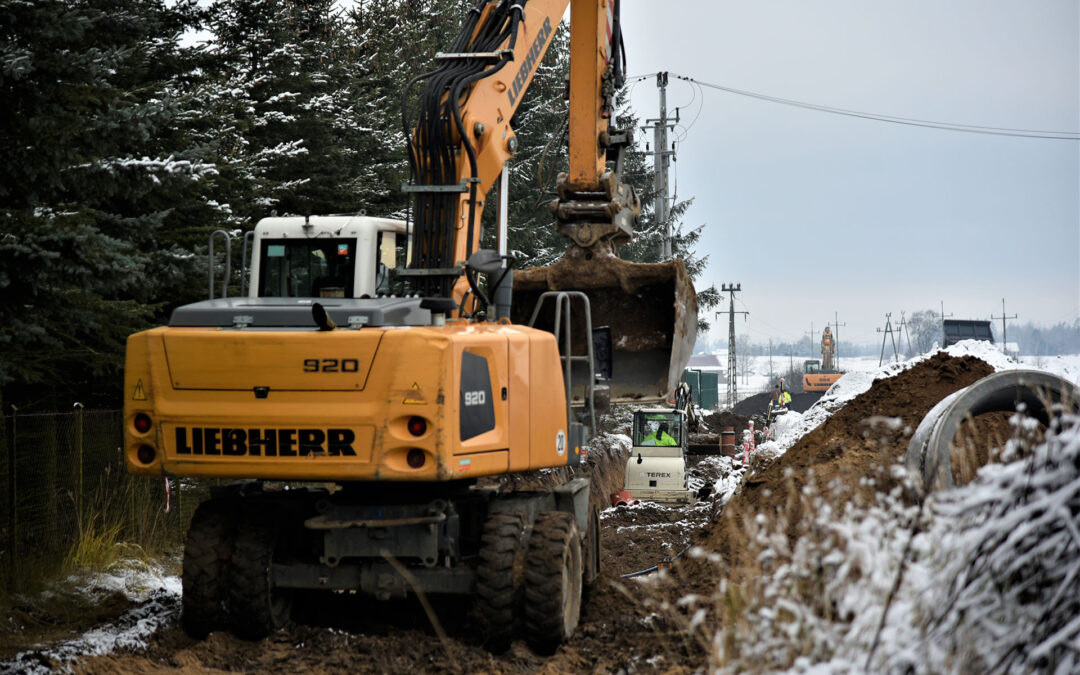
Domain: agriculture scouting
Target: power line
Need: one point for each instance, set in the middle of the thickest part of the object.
(947, 126)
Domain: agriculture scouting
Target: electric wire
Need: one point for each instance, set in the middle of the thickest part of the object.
(947, 126)
(894, 119)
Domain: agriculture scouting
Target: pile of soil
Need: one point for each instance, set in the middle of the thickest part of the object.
(758, 404)
(861, 441)
(724, 419)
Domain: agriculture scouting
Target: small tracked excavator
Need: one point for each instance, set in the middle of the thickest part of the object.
(371, 373)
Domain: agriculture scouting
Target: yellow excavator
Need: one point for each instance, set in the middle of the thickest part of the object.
(372, 373)
(818, 376)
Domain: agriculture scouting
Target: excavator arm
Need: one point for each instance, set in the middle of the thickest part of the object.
(460, 135)
(460, 138)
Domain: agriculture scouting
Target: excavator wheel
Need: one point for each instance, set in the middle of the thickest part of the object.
(255, 607)
(498, 583)
(553, 576)
(207, 553)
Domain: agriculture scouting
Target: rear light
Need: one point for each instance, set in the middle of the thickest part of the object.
(142, 423)
(417, 426)
(416, 458)
(146, 454)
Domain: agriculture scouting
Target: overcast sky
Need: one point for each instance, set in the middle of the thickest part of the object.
(817, 213)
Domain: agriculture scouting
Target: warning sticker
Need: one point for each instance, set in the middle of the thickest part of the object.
(139, 394)
(415, 396)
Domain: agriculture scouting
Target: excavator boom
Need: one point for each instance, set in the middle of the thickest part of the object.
(460, 139)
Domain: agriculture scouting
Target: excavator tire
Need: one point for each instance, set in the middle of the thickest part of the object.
(553, 576)
(499, 576)
(255, 607)
(207, 554)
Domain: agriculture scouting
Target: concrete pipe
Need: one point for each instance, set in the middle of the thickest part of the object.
(929, 453)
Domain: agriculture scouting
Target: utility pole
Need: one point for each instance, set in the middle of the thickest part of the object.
(771, 378)
(836, 339)
(732, 382)
(943, 316)
(661, 162)
(888, 331)
(811, 336)
(1004, 335)
(900, 330)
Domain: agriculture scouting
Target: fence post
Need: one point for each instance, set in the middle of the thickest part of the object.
(13, 521)
(79, 481)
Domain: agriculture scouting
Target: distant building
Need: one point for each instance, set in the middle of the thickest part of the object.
(710, 362)
(966, 329)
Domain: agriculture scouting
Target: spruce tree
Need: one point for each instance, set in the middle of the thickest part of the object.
(94, 169)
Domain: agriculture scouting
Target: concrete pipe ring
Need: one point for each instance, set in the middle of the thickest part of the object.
(929, 453)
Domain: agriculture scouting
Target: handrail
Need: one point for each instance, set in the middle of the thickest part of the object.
(228, 263)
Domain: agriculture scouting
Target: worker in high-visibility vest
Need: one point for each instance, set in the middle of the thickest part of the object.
(781, 398)
(660, 436)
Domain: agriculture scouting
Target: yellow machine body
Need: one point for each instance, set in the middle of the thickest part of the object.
(820, 381)
(337, 405)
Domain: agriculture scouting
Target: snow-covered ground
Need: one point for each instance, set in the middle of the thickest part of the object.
(758, 379)
(157, 603)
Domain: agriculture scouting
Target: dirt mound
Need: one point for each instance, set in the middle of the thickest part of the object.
(851, 454)
(719, 421)
(759, 403)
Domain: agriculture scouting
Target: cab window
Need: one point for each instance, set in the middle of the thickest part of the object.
(307, 268)
(647, 427)
(390, 257)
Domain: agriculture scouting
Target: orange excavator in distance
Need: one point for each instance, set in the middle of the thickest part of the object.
(818, 376)
(370, 376)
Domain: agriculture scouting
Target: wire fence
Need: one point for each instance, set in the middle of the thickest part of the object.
(65, 493)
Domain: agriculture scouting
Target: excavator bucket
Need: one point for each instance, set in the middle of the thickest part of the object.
(650, 309)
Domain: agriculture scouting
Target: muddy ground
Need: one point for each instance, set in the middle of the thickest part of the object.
(851, 453)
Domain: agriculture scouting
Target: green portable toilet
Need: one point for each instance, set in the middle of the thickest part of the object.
(710, 390)
(705, 386)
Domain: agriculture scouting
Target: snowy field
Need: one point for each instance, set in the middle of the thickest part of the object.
(758, 379)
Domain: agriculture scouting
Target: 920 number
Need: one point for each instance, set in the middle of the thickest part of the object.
(331, 365)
